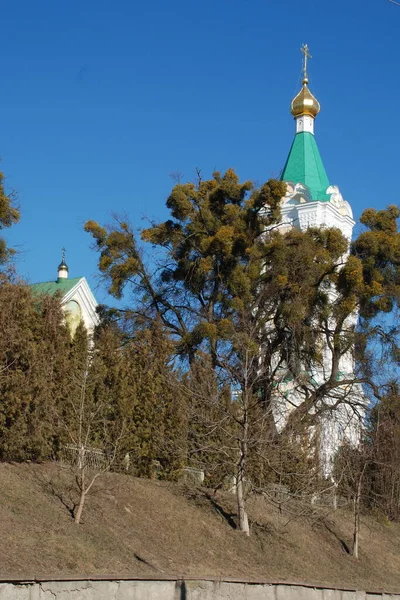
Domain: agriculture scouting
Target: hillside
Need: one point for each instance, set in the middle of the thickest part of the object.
(137, 527)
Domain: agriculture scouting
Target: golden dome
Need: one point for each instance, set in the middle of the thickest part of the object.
(305, 103)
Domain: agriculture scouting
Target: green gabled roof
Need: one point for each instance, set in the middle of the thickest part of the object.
(304, 165)
(50, 288)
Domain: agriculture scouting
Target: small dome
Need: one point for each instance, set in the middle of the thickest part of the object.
(305, 103)
(63, 266)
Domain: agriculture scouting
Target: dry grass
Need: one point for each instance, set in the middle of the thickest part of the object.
(141, 528)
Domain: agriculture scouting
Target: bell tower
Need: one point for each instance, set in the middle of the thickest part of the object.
(312, 201)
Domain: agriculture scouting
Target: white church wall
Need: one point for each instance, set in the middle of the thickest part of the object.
(82, 294)
(343, 411)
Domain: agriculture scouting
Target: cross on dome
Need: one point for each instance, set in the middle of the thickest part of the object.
(305, 104)
(305, 50)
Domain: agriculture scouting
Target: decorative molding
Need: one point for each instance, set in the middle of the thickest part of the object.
(317, 213)
(338, 201)
(82, 294)
(297, 192)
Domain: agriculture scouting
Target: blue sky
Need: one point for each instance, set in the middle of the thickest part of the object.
(102, 101)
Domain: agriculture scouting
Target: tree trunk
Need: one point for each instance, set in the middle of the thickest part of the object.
(243, 518)
(81, 483)
(78, 513)
(356, 527)
(357, 500)
(335, 495)
(241, 467)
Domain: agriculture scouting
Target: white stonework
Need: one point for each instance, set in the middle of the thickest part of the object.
(344, 409)
(302, 212)
(305, 123)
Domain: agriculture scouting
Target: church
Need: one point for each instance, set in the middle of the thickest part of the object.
(312, 201)
(77, 299)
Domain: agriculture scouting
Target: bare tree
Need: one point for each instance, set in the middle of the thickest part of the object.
(94, 434)
(353, 465)
(88, 459)
(233, 433)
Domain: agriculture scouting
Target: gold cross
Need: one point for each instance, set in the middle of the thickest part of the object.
(63, 253)
(305, 50)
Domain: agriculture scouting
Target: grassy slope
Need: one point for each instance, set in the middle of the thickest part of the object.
(136, 527)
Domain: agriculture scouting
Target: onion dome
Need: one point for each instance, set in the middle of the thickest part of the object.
(63, 267)
(305, 103)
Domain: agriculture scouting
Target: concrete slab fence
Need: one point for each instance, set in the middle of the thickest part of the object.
(176, 589)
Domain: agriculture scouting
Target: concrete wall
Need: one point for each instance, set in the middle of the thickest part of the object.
(190, 589)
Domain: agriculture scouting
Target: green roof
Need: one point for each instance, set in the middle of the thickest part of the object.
(304, 165)
(50, 288)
